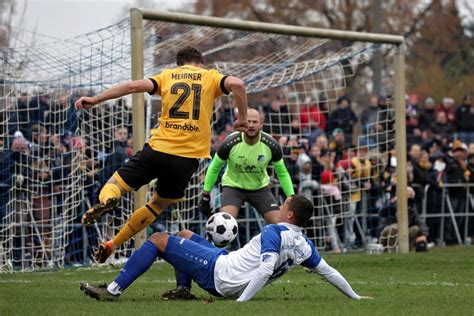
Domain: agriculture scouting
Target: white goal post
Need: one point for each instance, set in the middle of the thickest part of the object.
(138, 16)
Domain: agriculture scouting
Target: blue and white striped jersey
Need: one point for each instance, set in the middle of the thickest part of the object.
(282, 242)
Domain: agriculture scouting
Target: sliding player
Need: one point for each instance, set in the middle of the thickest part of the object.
(188, 93)
(241, 273)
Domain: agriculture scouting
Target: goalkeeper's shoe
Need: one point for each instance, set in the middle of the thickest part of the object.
(179, 293)
(104, 251)
(97, 211)
(99, 292)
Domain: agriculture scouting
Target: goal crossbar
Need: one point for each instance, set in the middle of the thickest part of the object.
(138, 14)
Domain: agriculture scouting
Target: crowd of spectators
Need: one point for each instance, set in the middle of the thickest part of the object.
(44, 161)
(344, 156)
(330, 150)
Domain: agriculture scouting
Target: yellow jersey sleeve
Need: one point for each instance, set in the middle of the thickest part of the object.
(187, 94)
(157, 83)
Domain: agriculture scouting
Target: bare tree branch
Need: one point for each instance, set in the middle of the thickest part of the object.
(417, 21)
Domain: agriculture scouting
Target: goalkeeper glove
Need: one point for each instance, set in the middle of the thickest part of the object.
(205, 205)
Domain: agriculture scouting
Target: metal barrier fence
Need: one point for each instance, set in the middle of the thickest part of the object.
(456, 209)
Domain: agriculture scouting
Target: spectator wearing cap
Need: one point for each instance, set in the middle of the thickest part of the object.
(427, 114)
(465, 120)
(338, 144)
(441, 128)
(447, 107)
(344, 118)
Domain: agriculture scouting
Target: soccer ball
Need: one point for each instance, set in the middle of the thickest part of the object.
(221, 229)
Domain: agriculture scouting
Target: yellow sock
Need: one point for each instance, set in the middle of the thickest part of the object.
(110, 190)
(139, 220)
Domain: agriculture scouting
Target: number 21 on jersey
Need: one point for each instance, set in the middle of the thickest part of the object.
(184, 91)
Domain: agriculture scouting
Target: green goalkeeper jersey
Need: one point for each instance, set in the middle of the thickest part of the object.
(247, 164)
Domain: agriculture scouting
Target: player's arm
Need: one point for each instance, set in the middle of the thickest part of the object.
(284, 177)
(221, 156)
(261, 276)
(117, 91)
(279, 165)
(212, 173)
(270, 241)
(318, 265)
(237, 87)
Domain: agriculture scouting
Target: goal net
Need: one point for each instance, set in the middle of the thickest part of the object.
(312, 93)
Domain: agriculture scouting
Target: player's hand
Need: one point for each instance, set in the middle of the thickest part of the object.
(85, 103)
(241, 125)
(205, 205)
(366, 297)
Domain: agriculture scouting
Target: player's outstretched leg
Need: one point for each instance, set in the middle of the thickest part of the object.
(138, 264)
(139, 220)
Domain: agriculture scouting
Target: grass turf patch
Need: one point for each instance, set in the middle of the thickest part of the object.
(438, 282)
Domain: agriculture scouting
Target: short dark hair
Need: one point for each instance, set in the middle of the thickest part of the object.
(302, 208)
(189, 54)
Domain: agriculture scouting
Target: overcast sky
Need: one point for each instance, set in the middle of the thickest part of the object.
(68, 18)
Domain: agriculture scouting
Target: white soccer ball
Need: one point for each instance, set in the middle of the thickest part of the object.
(221, 229)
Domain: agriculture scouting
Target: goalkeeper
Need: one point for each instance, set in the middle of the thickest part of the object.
(248, 155)
(188, 93)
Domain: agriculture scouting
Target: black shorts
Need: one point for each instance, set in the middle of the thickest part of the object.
(262, 199)
(173, 172)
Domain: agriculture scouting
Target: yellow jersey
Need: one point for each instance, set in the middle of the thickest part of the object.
(187, 94)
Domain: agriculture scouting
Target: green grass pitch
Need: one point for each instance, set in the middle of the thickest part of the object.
(440, 282)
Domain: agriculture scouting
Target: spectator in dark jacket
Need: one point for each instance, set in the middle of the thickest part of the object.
(116, 155)
(456, 173)
(343, 117)
(465, 121)
(442, 129)
(470, 167)
(317, 166)
(369, 116)
(386, 124)
(417, 230)
(279, 118)
(427, 115)
(38, 108)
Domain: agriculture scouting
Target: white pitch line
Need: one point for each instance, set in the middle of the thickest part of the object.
(166, 281)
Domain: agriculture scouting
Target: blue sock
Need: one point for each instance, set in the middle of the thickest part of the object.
(183, 280)
(138, 263)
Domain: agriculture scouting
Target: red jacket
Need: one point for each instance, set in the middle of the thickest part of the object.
(312, 113)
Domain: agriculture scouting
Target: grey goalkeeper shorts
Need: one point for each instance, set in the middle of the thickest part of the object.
(262, 199)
